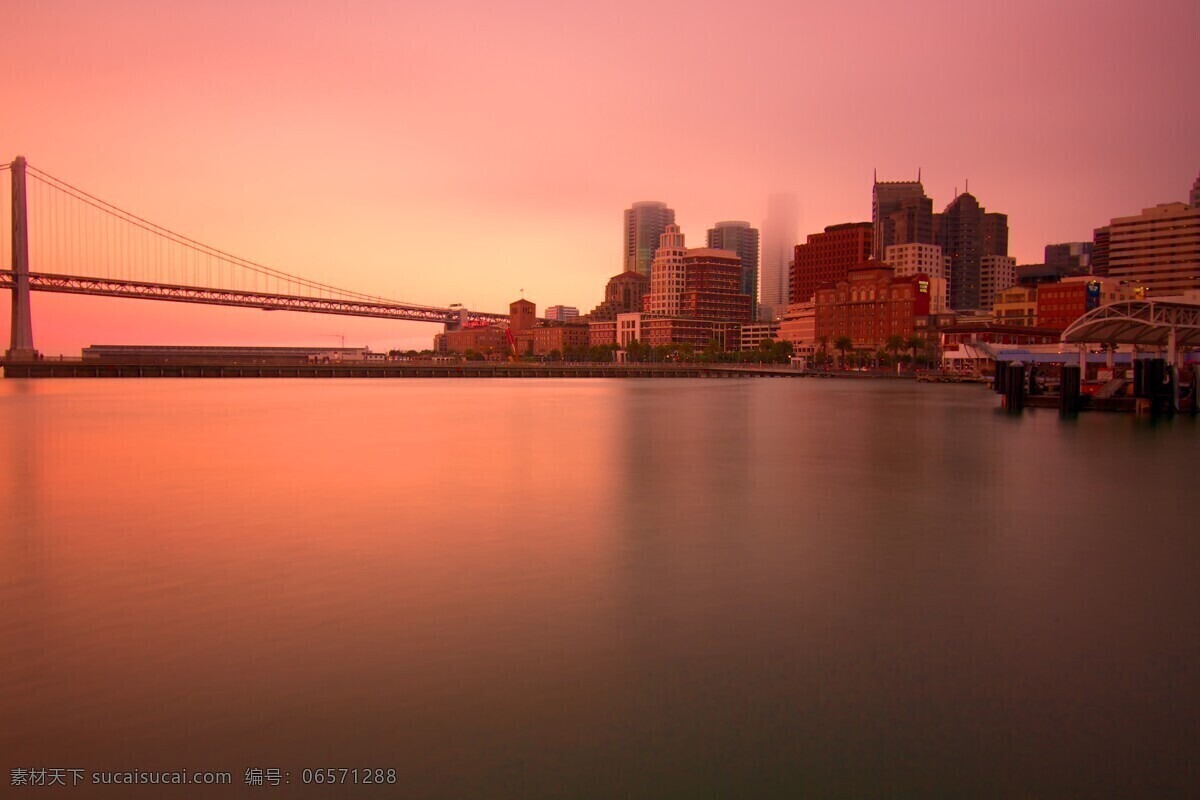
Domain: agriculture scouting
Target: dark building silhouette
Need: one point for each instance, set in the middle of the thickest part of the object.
(1100, 238)
(827, 257)
(742, 239)
(967, 233)
(900, 214)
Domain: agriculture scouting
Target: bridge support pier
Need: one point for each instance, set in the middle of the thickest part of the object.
(21, 344)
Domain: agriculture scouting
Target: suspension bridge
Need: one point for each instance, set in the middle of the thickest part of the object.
(82, 244)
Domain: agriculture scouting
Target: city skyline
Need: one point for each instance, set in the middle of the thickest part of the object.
(379, 151)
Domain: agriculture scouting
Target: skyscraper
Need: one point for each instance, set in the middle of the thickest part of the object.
(967, 233)
(644, 224)
(743, 240)
(779, 241)
(900, 214)
(667, 274)
(1194, 199)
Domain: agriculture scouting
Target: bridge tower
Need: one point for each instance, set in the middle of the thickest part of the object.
(21, 344)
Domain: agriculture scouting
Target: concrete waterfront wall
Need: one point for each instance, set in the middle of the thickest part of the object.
(90, 369)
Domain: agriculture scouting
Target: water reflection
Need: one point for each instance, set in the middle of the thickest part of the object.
(598, 588)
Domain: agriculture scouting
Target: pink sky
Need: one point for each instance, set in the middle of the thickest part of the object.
(459, 152)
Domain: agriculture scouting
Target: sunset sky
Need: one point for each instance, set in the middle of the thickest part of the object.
(464, 151)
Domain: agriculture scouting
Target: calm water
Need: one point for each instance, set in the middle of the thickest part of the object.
(598, 588)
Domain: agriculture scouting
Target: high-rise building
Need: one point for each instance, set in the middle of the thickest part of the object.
(900, 214)
(667, 274)
(995, 234)
(644, 224)
(1194, 198)
(909, 259)
(967, 233)
(712, 286)
(996, 273)
(1157, 251)
(697, 283)
(743, 240)
(778, 246)
(828, 257)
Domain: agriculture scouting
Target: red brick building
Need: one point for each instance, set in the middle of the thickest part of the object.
(522, 314)
(870, 305)
(828, 257)
(481, 339)
(712, 286)
(1060, 304)
(545, 340)
(622, 295)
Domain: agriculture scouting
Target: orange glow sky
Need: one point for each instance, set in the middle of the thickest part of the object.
(461, 151)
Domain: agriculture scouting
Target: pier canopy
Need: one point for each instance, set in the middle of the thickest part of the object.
(1146, 323)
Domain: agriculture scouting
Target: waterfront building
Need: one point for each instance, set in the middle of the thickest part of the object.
(870, 305)
(657, 331)
(602, 332)
(1060, 304)
(645, 223)
(522, 315)
(967, 232)
(778, 249)
(489, 340)
(544, 340)
(561, 313)
(900, 214)
(623, 294)
(1157, 251)
(798, 325)
(918, 258)
(742, 239)
(753, 334)
(996, 273)
(1016, 305)
(828, 257)
(972, 347)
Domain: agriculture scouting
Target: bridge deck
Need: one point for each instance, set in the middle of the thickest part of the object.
(177, 293)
